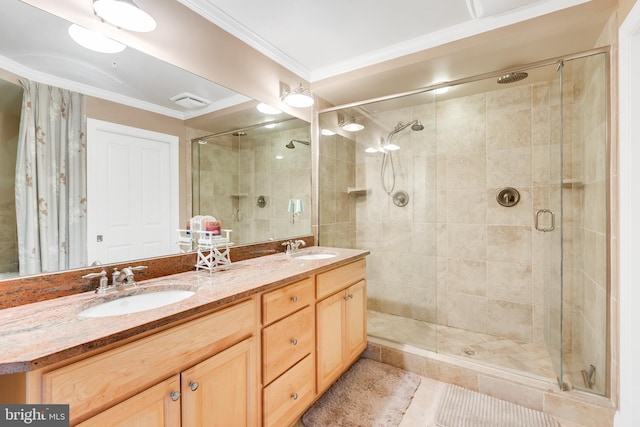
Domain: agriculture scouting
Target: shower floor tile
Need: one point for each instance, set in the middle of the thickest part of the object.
(523, 358)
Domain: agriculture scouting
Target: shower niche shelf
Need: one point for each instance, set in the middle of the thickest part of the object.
(572, 183)
(357, 191)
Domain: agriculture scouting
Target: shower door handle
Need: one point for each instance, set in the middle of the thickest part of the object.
(537, 220)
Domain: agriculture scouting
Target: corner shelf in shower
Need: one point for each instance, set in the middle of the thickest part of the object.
(357, 191)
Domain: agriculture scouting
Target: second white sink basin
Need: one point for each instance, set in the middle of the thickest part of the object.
(314, 255)
(136, 303)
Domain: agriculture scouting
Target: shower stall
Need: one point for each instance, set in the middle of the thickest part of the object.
(484, 205)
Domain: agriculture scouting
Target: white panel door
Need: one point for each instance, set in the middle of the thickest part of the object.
(132, 198)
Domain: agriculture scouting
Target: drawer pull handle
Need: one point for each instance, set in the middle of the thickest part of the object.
(294, 299)
(294, 341)
(193, 385)
(175, 395)
(294, 396)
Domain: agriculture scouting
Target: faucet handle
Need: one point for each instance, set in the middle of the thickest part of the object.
(94, 275)
(301, 243)
(138, 268)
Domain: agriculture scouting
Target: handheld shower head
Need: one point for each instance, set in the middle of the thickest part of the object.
(415, 125)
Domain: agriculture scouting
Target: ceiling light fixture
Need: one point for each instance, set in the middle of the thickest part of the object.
(94, 41)
(267, 109)
(299, 97)
(124, 14)
(351, 126)
(327, 132)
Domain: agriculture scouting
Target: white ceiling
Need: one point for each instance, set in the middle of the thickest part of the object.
(321, 39)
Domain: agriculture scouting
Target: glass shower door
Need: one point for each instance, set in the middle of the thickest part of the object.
(548, 226)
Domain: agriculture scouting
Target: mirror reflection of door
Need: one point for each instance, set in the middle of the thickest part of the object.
(132, 192)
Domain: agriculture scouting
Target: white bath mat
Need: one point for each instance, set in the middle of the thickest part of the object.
(460, 407)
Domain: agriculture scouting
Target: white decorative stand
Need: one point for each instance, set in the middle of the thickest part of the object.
(213, 251)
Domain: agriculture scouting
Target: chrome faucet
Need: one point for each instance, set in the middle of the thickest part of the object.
(293, 245)
(124, 278)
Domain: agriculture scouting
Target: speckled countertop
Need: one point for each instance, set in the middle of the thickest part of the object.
(43, 333)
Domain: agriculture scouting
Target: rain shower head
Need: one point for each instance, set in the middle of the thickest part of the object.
(297, 141)
(512, 77)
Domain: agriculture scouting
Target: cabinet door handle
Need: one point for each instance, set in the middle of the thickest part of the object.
(294, 299)
(193, 385)
(175, 395)
(294, 396)
(294, 341)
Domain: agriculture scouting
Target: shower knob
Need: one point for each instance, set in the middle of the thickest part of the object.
(508, 197)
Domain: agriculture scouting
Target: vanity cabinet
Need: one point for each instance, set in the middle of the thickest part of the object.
(340, 321)
(288, 352)
(211, 358)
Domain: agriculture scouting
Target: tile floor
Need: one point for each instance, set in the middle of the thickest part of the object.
(524, 358)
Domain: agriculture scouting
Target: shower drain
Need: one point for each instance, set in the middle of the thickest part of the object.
(468, 351)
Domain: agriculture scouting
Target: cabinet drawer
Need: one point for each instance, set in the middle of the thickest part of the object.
(286, 342)
(332, 281)
(289, 395)
(98, 382)
(284, 301)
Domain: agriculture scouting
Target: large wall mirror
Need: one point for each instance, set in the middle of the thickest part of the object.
(235, 163)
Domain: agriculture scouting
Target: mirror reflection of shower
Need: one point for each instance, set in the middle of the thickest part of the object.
(388, 147)
(297, 141)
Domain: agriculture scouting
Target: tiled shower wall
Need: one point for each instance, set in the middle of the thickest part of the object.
(453, 251)
(234, 171)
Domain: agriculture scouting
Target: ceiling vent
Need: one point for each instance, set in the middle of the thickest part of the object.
(190, 101)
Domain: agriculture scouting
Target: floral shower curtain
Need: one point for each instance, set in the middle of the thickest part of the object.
(51, 180)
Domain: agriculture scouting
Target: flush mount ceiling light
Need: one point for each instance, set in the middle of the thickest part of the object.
(351, 126)
(124, 14)
(327, 132)
(267, 109)
(94, 41)
(299, 97)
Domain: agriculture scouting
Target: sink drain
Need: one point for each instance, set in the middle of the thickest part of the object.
(468, 351)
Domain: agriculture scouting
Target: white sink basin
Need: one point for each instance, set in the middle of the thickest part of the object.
(315, 255)
(136, 303)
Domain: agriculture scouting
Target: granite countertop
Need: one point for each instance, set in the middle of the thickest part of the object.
(43, 333)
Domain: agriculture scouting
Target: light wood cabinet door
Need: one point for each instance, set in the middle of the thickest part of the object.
(355, 321)
(330, 330)
(222, 391)
(154, 407)
(341, 332)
